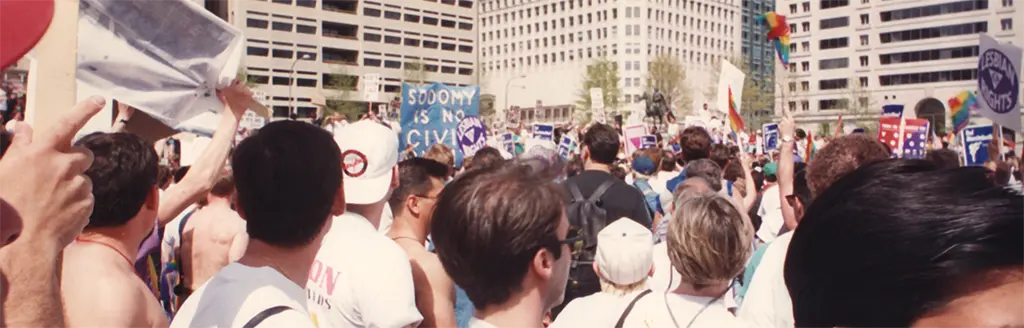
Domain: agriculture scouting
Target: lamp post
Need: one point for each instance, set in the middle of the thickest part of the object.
(292, 111)
(508, 84)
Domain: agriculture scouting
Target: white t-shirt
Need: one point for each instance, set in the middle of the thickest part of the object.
(597, 310)
(171, 240)
(653, 311)
(770, 211)
(360, 278)
(767, 303)
(386, 220)
(237, 294)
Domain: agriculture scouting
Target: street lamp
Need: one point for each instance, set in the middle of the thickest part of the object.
(292, 111)
(507, 84)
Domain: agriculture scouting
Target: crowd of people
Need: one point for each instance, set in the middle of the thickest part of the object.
(299, 225)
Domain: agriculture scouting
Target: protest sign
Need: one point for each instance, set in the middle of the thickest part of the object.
(974, 141)
(732, 78)
(892, 110)
(597, 104)
(371, 87)
(888, 133)
(431, 114)
(999, 82)
(513, 116)
(472, 135)
(633, 135)
(906, 138)
(164, 58)
(566, 147)
(770, 136)
(648, 141)
(544, 132)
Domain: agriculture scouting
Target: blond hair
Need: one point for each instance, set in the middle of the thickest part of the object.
(709, 239)
(620, 290)
(441, 154)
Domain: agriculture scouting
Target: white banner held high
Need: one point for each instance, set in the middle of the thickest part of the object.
(371, 87)
(597, 104)
(730, 77)
(999, 86)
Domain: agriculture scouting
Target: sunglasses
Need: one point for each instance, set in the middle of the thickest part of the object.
(574, 238)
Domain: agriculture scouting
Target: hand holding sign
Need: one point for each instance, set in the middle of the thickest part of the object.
(54, 199)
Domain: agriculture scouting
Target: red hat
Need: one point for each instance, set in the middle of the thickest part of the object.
(22, 24)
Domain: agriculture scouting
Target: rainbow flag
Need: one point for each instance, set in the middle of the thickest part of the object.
(811, 149)
(778, 31)
(735, 121)
(960, 107)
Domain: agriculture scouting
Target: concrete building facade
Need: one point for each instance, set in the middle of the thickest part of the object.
(853, 56)
(538, 50)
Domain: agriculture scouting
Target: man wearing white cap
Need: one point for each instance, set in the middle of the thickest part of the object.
(360, 278)
(623, 261)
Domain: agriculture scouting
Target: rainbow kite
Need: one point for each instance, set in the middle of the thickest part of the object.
(960, 107)
(735, 121)
(778, 31)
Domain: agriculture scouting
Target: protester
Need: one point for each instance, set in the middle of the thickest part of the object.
(706, 169)
(695, 143)
(442, 154)
(503, 236)
(211, 238)
(362, 278)
(623, 263)
(708, 243)
(944, 158)
(286, 211)
(643, 168)
(420, 182)
(909, 244)
(485, 158)
(840, 157)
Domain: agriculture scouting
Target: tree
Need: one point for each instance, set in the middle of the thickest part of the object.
(758, 97)
(414, 72)
(346, 86)
(668, 76)
(601, 73)
(243, 75)
(861, 107)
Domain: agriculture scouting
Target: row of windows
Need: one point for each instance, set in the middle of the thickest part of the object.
(416, 42)
(827, 4)
(601, 51)
(279, 26)
(425, 20)
(414, 65)
(832, 84)
(842, 42)
(927, 55)
(835, 63)
(934, 10)
(929, 77)
(602, 33)
(537, 27)
(934, 32)
(836, 22)
(699, 7)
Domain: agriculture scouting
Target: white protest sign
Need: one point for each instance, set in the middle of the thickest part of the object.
(597, 104)
(371, 86)
(165, 58)
(999, 82)
(633, 135)
(252, 121)
(730, 78)
(261, 97)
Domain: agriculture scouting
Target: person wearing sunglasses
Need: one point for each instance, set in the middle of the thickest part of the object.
(503, 236)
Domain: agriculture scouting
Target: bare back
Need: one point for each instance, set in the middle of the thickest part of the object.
(213, 238)
(100, 289)
(435, 292)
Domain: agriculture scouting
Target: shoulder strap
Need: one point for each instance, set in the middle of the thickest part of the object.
(596, 196)
(263, 315)
(625, 313)
(577, 196)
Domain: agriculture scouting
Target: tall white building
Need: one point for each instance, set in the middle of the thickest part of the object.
(537, 51)
(867, 53)
(352, 37)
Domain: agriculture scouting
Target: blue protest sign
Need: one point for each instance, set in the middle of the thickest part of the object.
(648, 141)
(892, 110)
(508, 142)
(770, 136)
(566, 146)
(975, 141)
(431, 115)
(915, 138)
(472, 135)
(544, 132)
(999, 82)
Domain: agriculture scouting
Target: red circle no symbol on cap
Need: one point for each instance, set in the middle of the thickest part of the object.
(353, 163)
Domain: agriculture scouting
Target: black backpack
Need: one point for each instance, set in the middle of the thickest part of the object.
(587, 215)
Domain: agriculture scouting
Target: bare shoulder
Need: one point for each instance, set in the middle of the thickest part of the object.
(107, 300)
(433, 271)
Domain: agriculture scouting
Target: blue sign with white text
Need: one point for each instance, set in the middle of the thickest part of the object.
(431, 115)
(975, 141)
(544, 132)
(892, 111)
(770, 136)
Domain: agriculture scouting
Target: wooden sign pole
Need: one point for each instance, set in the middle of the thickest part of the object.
(51, 79)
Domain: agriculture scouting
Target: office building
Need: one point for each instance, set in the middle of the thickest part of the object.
(853, 56)
(331, 43)
(537, 51)
(758, 53)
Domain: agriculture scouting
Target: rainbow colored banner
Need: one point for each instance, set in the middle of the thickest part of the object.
(735, 121)
(960, 108)
(778, 32)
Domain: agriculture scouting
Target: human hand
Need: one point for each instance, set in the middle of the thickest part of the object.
(787, 128)
(53, 198)
(124, 112)
(237, 97)
(746, 160)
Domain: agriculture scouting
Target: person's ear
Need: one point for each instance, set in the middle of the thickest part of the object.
(651, 273)
(394, 177)
(543, 264)
(338, 207)
(153, 199)
(412, 204)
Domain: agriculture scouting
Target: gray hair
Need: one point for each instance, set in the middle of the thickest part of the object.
(706, 169)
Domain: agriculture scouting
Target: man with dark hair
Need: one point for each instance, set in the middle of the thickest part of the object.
(503, 236)
(420, 182)
(944, 158)
(212, 237)
(707, 169)
(695, 143)
(485, 158)
(371, 262)
(720, 154)
(286, 211)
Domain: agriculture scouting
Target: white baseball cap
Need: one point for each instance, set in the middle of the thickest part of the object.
(369, 153)
(625, 252)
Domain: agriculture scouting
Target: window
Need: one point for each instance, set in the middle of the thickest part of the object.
(392, 15)
(832, 43)
(792, 106)
(394, 64)
(805, 105)
(863, 40)
(835, 63)
(792, 8)
(279, 26)
(792, 88)
(833, 104)
(828, 4)
(865, 19)
(927, 55)
(430, 20)
(806, 6)
(805, 27)
(280, 80)
(255, 23)
(934, 32)
(257, 51)
(448, 70)
(392, 39)
(372, 12)
(836, 22)
(371, 62)
(1007, 3)
(280, 53)
(934, 10)
(863, 82)
(928, 77)
(411, 42)
(310, 83)
(792, 28)
(448, 46)
(258, 79)
(832, 84)
(863, 61)
(372, 37)
(805, 86)
(305, 29)
(1006, 24)
(629, 82)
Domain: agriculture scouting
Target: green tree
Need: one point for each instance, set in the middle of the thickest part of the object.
(669, 76)
(243, 75)
(415, 72)
(345, 85)
(861, 107)
(601, 73)
(758, 97)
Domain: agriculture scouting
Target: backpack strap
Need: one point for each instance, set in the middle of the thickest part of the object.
(625, 313)
(577, 196)
(596, 196)
(263, 315)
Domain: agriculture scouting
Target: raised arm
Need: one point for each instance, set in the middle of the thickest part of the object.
(751, 190)
(202, 175)
(787, 129)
